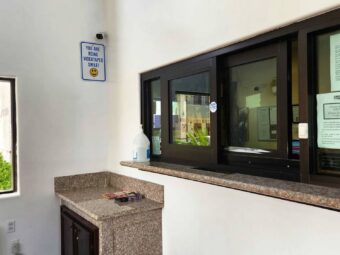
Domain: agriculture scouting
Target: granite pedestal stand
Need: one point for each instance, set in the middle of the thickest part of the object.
(132, 228)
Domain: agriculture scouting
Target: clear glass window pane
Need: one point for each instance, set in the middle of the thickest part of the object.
(253, 106)
(156, 117)
(328, 101)
(190, 98)
(6, 170)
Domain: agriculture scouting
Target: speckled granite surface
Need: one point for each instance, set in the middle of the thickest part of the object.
(151, 190)
(109, 180)
(90, 201)
(81, 181)
(292, 191)
(124, 228)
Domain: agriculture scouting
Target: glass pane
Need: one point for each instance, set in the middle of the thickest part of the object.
(190, 97)
(6, 174)
(328, 101)
(253, 106)
(295, 100)
(156, 116)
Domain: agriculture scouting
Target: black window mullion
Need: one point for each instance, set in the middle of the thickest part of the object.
(282, 100)
(214, 116)
(14, 136)
(303, 104)
(165, 118)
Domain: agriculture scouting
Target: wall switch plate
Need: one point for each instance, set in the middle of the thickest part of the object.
(11, 226)
(15, 247)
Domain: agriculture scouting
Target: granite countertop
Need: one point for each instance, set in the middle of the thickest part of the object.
(84, 192)
(91, 202)
(293, 191)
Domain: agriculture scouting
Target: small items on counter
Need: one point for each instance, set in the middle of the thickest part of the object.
(123, 196)
(113, 195)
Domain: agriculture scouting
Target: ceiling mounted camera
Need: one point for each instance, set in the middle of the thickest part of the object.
(100, 36)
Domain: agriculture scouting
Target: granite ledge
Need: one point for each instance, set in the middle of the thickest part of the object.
(297, 192)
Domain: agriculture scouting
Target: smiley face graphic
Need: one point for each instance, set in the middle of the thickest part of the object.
(94, 72)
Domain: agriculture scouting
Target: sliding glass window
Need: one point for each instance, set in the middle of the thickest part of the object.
(260, 113)
(327, 86)
(190, 98)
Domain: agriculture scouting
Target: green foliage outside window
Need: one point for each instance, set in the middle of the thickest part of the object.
(199, 137)
(5, 174)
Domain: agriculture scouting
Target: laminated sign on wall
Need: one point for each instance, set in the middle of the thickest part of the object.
(335, 62)
(328, 116)
(93, 61)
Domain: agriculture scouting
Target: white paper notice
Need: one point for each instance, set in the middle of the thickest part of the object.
(335, 62)
(328, 117)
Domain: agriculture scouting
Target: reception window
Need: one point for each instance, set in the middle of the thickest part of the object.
(265, 106)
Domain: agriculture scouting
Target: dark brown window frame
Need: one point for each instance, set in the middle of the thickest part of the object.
(185, 154)
(145, 109)
(310, 159)
(14, 135)
(265, 52)
(188, 153)
(281, 163)
(304, 31)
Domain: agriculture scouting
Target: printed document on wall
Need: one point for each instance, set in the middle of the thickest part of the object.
(335, 62)
(328, 118)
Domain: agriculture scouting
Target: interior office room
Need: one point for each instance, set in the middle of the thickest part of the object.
(183, 127)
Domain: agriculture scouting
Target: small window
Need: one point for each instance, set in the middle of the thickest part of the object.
(176, 114)
(190, 97)
(260, 114)
(7, 136)
(253, 106)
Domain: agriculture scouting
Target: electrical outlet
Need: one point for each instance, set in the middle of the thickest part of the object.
(11, 226)
(15, 247)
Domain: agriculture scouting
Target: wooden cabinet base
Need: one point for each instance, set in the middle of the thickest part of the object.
(135, 234)
(78, 236)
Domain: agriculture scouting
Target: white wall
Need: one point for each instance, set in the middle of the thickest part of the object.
(200, 218)
(63, 121)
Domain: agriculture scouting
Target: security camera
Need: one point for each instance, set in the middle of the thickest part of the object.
(100, 36)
